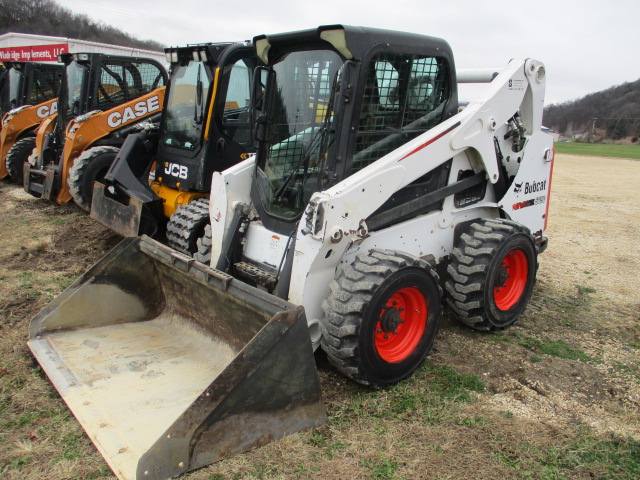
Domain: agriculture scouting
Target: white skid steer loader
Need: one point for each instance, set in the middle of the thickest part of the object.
(369, 196)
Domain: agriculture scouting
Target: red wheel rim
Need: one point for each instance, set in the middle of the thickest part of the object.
(397, 338)
(515, 272)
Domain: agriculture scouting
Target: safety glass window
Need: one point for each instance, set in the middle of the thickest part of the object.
(123, 82)
(236, 118)
(15, 83)
(404, 96)
(186, 107)
(46, 83)
(298, 130)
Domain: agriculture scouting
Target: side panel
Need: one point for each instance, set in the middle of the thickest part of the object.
(228, 188)
(527, 200)
(86, 129)
(15, 124)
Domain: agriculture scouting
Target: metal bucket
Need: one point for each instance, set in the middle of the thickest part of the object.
(170, 365)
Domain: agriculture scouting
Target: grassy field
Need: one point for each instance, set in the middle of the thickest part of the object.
(599, 150)
(556, 396)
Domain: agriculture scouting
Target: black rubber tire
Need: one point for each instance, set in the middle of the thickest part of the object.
(90, 167)
(187, 225)
(353, 314)
(203, 255)
(17, 155)
(475, 271)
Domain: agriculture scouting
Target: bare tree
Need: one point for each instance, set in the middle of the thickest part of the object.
(46, 17)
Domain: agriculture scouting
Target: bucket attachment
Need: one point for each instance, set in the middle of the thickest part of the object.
(123, 200)
(170, 365)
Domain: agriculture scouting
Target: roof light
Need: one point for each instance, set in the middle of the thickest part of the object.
(262, 49)
(203, 55)
(168, 55)
(338, 39)
(174, 57)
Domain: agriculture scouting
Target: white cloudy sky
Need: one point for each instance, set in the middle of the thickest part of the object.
(586, 45)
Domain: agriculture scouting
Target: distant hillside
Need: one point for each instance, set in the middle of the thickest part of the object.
(613, 114)
(46, 17)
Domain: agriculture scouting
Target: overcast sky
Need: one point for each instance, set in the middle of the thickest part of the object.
(586, 45)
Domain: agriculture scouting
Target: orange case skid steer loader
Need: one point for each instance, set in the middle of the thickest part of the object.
(102, 99)
(29, 95)
(205, 126)
(366, 182)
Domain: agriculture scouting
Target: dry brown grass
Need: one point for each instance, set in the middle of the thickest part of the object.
(556, 396)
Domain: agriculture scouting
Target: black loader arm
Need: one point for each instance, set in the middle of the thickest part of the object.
(128, 176)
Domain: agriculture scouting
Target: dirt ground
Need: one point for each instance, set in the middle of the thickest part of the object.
(555, 396)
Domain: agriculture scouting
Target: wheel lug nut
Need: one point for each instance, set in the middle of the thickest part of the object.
(395, 332)
(379, 331)
(386, 337)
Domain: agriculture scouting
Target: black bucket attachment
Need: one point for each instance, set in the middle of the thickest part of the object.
(170, 365)
(125, 203)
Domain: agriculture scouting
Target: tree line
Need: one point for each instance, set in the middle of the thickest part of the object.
(46, 17)
(613, 113)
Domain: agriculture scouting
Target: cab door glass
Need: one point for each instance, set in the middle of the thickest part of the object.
(45, 84)
(122, 82)
(237, 104)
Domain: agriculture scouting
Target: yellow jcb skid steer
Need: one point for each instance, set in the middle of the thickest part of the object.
(169, 365)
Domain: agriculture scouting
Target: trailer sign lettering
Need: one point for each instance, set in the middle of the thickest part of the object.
(33, 53)
(140, 109)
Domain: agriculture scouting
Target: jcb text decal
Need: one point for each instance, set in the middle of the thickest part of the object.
(140, 109)
(176, 170)
(46, 110)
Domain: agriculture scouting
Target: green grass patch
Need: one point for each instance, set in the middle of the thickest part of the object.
(74, 445)
(606, 458)
(582, 290)
(431, 395)
(557, 348)
(448, 383)
(16, 463)
(26, 279)
(381, 468)
(599, 150)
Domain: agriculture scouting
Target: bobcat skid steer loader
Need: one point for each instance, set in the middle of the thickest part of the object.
(205, 126)
(366, 182)
(102, 98)
(29, 95)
